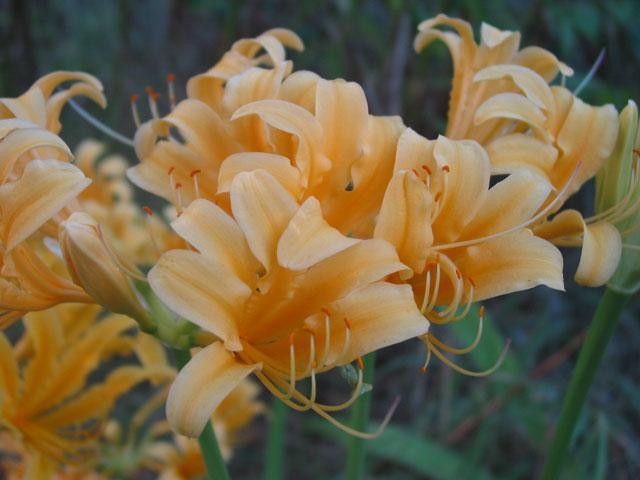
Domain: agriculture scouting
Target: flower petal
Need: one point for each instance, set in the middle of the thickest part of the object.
(405, 219)
(601, 252)
(308, 238)
(465, 185)
(46, 186)
(9, 374)
(515, 107)
(510, 263)
(263, 209)
(218, 237)
(201, 385)
(509, 203)
(278, 166)
(510, 153)
(202, 291)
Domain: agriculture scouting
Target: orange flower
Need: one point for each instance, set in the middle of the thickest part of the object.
(287, 296)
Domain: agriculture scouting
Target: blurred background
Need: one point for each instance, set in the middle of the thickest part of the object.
(447, 426)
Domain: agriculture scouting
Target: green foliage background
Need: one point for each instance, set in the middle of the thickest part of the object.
(447, 426)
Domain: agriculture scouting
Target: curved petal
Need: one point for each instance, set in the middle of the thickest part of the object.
(515, 107)
(465, 185)
(379, 315)
(542, 62)
(528, 81)
(510, 263)
(601, 252)
(517, 151)
(46, 186)
(510, 203)
(9, 374)
(405, 219)
(218, 237)
(263, 209)
(308, 238)
(202, 291)
(278, 166)
(201, 385)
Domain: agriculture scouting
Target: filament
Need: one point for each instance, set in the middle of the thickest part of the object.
(118, 137)
(465, 371)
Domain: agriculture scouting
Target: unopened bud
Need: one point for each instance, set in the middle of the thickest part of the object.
(92, 266)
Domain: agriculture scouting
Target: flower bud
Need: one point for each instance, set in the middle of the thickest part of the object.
(618, 198)
(93, 266)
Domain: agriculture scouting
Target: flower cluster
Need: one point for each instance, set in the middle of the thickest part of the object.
(307, 233)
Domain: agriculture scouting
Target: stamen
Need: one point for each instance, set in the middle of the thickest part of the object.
(179, 198)
(463, 370)
(194, 176)
(347, 339)
(436, 287)
(427, 361)
(171, 78)
(153, 97)
(460, 351)
(426, 169)
(446, 168)
(292, 366)
(110, 132)
(360, 363)
(149, 226)
(134, 110)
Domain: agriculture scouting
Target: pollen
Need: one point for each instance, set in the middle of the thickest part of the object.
(446, 168)
(147, 210)
(426, 169)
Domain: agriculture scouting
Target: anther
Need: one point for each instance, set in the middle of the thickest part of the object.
(360, 363)
(437, 197)
(471, 281)
(446, 168)
(171, 78)
(481, 312)
(416, 172)
(346, 323)
(196, 186)
(325, 310)
(134, 110)
(149, 213)
(636, 151)
(291, 338)
(178, 190)
(153, 101)
(147, 210)
(426, 169)
(458, 274)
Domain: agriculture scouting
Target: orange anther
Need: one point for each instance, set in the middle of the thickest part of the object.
(291, 338)
(347, 324)
(171, 170)
(171, 77)
(423, 370)
(437, 197)
(426, 169)
(134, 98)
(155, 96)
(636, 151)
(446, 168)
(178, 185)
(471, 281)
(325, 310)
(481, 313)
(149, 90)
(313, 365)
(458, 274)
(194, 173)
(415, 171)
(147, 210)
(360, 364)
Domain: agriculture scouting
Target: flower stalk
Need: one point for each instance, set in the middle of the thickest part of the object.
(361, 411)
(211, 454)
(274, 458)
(600, 331)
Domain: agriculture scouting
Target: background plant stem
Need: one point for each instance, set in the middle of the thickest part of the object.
(274, 458)
(356, 451)
(602, 326)
(213, 461)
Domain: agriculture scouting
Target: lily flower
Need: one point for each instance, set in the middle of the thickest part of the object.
(42, 105)
(465, 242)
(498, 55)
(58, 420)
(285, 295)
(290, 125)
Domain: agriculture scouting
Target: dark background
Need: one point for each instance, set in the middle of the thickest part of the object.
(447, 426)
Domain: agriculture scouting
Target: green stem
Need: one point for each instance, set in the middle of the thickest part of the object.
(274, 459)
(602, 326)
(360, 421)
(213, 461)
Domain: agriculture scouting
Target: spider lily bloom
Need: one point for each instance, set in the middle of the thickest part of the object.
(464, 241)
(58, 420)
(40, 105)
(290, 126)
(618, 198)
(170, 168)
(33, 193)
(472, 63)
(286, 295)
(98, 270)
